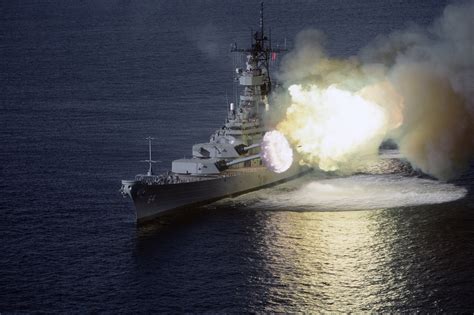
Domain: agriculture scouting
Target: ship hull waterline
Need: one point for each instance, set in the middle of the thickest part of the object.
(153, 201)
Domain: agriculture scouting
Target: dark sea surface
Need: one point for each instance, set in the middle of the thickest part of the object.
(84, 82)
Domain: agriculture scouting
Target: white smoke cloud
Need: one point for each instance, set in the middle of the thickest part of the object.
(329, 131)
(422, 79)
(207, 39)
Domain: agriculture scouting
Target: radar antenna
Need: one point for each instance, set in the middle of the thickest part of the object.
(261, 49)
(150, 161)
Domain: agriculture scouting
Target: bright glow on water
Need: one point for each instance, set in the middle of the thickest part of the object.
(362, 192)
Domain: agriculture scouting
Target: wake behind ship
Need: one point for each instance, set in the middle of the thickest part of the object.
(230, 163)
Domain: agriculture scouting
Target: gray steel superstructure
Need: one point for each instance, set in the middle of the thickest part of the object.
(229, 164)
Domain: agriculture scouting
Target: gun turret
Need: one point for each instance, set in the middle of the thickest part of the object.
(242, 148)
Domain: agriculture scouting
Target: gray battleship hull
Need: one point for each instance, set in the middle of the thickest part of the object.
(231, 162)
(154, 200)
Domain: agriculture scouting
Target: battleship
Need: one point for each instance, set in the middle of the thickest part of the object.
(230, 163)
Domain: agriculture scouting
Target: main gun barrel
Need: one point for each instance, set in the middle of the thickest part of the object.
(223, 165)
(242, 149)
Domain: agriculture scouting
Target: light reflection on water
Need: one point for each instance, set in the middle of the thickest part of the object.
(386, 258)
(327, 259)
(346, 261)
(266, 254)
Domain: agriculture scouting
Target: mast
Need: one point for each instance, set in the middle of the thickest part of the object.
(261, 19)
(149, 161)
(260, 50)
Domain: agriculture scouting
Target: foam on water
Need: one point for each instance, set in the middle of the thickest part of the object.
(361, 192)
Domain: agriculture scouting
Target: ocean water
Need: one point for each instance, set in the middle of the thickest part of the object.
(84, 82)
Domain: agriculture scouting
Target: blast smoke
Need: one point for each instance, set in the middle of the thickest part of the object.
(320, 136)
(419, 81)
(207, 40)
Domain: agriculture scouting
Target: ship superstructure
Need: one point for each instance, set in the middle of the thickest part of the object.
(230, 162)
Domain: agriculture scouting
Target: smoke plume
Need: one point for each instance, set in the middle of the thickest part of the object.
(415, 87)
